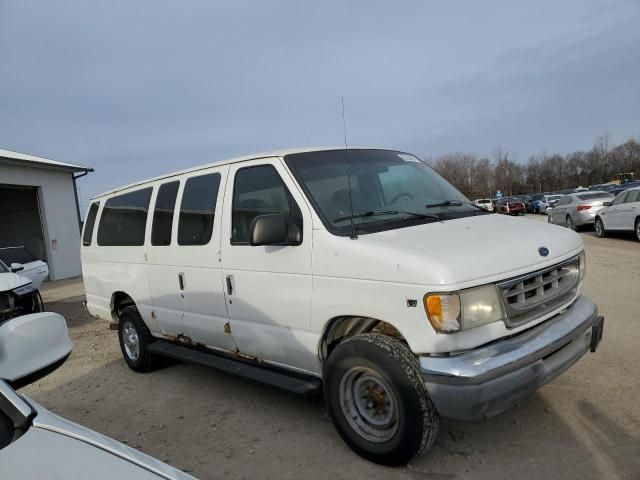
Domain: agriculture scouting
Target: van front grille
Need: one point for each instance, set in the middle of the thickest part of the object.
(532, 295)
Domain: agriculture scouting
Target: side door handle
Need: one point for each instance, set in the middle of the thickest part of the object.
(181, 280)
(229, 280)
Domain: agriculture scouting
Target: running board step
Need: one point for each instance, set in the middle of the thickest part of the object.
(301, 385)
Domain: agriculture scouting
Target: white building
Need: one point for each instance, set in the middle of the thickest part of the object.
(39, 210)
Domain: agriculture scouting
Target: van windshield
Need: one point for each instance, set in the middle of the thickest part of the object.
(388, 190)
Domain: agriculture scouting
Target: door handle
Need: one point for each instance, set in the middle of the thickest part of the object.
(181, 280)
(229, 284)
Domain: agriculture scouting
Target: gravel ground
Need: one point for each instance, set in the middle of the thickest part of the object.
(585, 424)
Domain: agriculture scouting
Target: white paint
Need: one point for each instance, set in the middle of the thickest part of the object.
(622, 214)
(284, 296)
(40, 161)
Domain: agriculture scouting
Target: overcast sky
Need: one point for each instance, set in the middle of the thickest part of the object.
(138, 88)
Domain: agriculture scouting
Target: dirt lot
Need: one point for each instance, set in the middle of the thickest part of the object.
(585, 424)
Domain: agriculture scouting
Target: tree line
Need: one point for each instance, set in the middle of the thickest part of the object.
(477, 176)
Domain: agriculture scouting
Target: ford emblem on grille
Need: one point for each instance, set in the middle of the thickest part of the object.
(544, 251)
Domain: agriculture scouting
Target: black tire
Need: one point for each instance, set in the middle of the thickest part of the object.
(569, 223)
(637, 228)
(387, 360)
(599, 228)
(144, 361)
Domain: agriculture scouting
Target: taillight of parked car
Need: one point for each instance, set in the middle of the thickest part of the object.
(583, 207)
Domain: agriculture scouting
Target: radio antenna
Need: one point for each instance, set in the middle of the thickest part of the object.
(353, 235)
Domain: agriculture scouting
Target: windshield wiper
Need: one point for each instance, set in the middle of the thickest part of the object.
(454, 203)
(375, 213)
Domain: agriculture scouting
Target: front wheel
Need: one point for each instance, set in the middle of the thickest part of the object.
(638, 229)
(599, 228)
(134, 339)
(376, 397)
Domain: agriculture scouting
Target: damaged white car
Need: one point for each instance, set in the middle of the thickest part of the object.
(18, 295)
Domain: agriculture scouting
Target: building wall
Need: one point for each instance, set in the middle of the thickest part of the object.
(59, 215)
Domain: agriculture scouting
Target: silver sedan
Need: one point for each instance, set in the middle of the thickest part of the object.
(577, 209)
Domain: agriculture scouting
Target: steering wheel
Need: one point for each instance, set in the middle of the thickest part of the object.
(399, 196)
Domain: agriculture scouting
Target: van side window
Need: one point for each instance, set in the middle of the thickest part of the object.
(124, 219)
(89, 223)
(260, 191)
(163, 214)
(198, 209)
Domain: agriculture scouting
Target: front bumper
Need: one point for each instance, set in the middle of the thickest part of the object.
(485, 381)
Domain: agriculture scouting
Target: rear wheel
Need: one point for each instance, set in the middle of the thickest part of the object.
(376, 397)
(599, 228)
(569, 223)
(135, 339)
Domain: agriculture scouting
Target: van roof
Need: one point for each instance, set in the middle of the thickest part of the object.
(255, 156)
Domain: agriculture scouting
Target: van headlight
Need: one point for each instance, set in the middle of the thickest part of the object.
(470, 308)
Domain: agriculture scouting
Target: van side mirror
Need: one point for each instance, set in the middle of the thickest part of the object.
(16, 267)
(606, 204)
(269, 230)
(32, 346)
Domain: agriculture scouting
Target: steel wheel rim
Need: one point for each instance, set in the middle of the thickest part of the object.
(369, 405)
(130, 340)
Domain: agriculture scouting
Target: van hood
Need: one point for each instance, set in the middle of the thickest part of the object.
(9, 281)
(455, 253)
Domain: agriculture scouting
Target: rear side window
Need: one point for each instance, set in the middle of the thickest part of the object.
(634, 196)
(197, 210)
(124, 219)
(260, 191)
(621, 198)
(163, 214)
(89, 223)
(593, 196)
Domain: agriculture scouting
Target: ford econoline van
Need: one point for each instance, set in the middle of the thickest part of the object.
(353, 272)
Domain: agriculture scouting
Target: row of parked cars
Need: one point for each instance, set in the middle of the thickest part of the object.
(519, 204)
(616, 208)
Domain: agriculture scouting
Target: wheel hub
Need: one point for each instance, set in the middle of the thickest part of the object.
(130, 340)
(369, 404)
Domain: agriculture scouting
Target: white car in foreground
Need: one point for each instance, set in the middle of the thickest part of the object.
(621, 214)
(35, 443)
(20, 260)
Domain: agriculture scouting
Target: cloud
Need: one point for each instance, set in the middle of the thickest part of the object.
(136, 89)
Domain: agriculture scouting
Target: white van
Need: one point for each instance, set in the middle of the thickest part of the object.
(370, 286)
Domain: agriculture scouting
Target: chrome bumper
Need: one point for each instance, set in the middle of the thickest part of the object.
(485, 381)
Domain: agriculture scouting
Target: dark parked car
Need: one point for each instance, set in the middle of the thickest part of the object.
(622, 187)
(510, 206)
